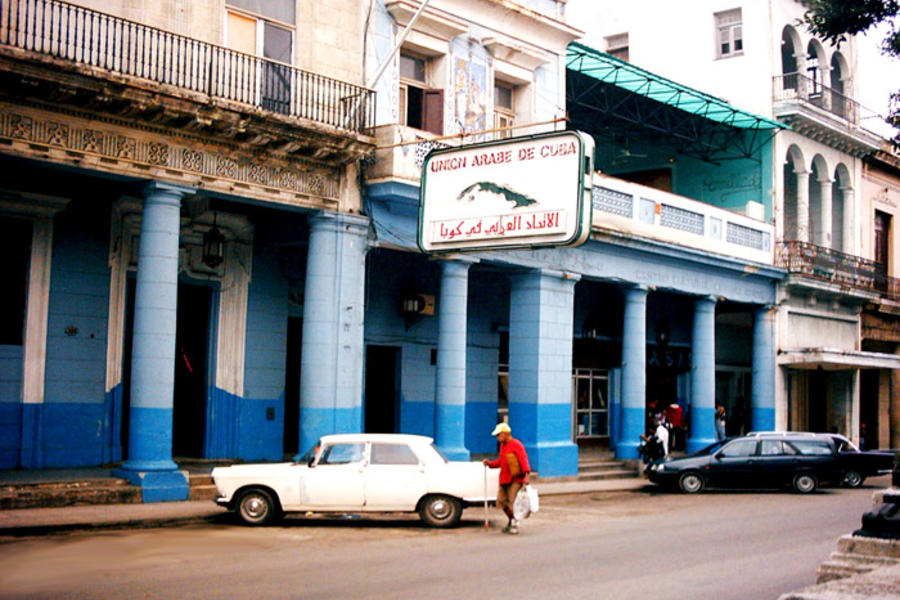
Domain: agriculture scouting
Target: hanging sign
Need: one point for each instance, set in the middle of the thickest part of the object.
(523, 192)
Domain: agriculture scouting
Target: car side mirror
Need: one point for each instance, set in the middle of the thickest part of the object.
(311, 462)
(717, 456)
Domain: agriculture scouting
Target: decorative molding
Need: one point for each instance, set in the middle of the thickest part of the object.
(184, 160)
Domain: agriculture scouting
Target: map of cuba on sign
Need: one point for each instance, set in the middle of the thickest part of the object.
(521, 192)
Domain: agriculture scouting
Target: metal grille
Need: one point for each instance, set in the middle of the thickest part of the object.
(612, 201)
(100, 40)
(746, 236)
(681, 219)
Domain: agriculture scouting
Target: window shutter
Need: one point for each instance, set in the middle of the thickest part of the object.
(433, 120)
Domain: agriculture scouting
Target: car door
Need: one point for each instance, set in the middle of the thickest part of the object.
(734, 465)
(394, 477)
(335, 481)
(776, 463)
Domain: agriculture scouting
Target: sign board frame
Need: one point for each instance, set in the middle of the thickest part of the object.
(529, 191)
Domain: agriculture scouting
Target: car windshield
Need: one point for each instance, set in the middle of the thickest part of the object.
(710, 449)
(308, 455)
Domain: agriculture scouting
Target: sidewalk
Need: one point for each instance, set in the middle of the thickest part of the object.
(47, 521)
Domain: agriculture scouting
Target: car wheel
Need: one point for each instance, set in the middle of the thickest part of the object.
(440, 511)
(691, 482)
(805, 483)
(853, 478)
(256, 507)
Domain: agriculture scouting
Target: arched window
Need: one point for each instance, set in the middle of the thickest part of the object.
(788, 59)
(813, 72)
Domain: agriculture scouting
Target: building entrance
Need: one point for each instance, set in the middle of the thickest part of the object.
(191, 375)
(590, 388)
(382, 397)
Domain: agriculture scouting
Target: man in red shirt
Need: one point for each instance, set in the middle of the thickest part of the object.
(514, 470)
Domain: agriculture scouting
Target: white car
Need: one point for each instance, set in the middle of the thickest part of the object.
(359, 473)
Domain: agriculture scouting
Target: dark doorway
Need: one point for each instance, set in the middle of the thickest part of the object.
(382, 398)
(191, 350)
(817, 398)
(292, 387)
(868, 408)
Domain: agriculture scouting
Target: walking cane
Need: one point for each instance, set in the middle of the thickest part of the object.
(486, 523)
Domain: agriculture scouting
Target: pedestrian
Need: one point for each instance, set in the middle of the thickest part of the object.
(675, 422)
(514, 469)
(720, 422)
(660, 436)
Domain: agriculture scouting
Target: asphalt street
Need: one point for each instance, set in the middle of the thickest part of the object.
(604, 545)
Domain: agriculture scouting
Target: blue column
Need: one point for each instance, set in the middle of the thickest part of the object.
(540, 369)
(703, 375)
(634, 372)
(450, 401)
(762, 392)
(331, 363)
(150, 463)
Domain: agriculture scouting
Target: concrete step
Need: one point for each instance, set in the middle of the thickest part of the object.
(68, 493)
(607, 474)
(203, 492)
(106, 490)
(868, 546)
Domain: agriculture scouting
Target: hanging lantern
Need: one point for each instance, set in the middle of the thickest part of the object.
(213, 247)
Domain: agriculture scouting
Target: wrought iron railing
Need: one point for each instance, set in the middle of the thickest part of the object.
(100, 40)
(845, 270)
(794, 86)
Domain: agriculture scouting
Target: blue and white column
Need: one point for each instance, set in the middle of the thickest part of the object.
(540, 369)
(762, 384)
(634, 372)
(450, 399)
(150, 463)
(703, 375)
(331, 363)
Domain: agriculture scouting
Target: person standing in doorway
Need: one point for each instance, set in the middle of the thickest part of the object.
(514, 470)
(720, 422)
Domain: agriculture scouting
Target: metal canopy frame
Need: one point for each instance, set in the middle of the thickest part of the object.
(614, 99)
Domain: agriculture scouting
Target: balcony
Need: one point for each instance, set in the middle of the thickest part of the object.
(69, 54)
(824, 114)
(632, 209)
(848, 273)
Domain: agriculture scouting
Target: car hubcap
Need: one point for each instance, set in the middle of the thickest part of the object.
(440, 509)
(852, 479)
(254, 507)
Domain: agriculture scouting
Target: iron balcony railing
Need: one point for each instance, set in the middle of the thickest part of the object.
(121, 46)
(797, 87)
(845, 270)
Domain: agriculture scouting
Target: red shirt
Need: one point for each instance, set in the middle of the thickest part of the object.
(514, 447)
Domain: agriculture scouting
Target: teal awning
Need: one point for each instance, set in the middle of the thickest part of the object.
(610, 93)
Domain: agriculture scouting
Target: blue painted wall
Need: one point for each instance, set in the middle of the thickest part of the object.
(10, 405)
(75, 424)
(261, 437)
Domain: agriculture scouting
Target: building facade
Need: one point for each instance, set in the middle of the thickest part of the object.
(215, 238)
(178, 176)
(756, 55)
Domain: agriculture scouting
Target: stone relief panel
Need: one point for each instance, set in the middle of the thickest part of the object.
(182, 160)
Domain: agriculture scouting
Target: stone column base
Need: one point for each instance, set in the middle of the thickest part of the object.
(158, 486)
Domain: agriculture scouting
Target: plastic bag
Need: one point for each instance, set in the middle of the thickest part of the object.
(526, 503)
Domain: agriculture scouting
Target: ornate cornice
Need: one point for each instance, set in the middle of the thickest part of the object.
(110, 145)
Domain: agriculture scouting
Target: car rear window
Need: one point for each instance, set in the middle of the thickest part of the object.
(393, 454)
(775, 448)
(812, 447)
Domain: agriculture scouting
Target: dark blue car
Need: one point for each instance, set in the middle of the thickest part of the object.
(801, 462)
